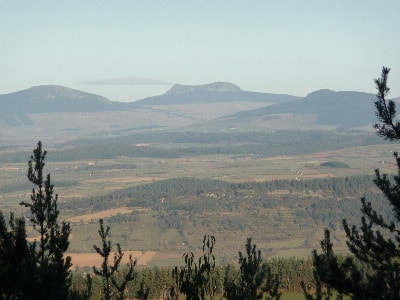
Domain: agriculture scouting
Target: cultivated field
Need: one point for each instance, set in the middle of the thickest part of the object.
(141, 235)
(99, 215)
(147, 258)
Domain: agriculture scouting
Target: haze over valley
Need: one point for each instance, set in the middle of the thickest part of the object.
(60, 113)
(225, 145)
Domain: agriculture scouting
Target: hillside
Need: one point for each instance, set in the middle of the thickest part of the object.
(17, 106)
(210, 93)
(340, 109)
(58, 113)
(211, 87)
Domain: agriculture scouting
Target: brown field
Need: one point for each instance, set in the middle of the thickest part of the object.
(166, 255)
(145, 258)
(100, 215)
(142, 258)
(94, 259)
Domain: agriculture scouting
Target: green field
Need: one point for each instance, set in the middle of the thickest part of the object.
(280, 220)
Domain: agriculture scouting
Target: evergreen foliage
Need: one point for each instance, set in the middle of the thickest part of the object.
(255, 279)
(196, 280)
(389, 128)
(53, 268)
(335, 164)
(36, 272)
(81, 287)
(183, 144)
(17, 263)
(113, 286)
(374, 270)
(160, 284)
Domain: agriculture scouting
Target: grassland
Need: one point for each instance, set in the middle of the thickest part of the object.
(275, 229)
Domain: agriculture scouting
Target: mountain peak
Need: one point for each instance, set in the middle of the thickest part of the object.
(320, 93)
(18, 106)
(211, 87)
(54, 92)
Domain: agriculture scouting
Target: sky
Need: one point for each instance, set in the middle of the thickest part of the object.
(127, 50)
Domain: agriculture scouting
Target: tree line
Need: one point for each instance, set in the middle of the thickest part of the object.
(149, 195)
(261, 144)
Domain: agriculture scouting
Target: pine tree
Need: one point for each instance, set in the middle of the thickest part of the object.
(197, 280)
(255, 279)
(114, 282)
(35, 270)
(53, 268)
(388, 128)
(17, 263)
(373, 272)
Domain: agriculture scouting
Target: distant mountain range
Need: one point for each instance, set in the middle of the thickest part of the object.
(212, 93)
(344, 109)
(341, 109)
(16, 107)
(51, 98)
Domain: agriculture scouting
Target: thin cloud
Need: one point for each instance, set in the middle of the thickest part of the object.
(127, 81)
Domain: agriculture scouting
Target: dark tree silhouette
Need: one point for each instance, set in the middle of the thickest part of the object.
(114, 282)
(17, 260)
(196, 280)
(255, 279)
(373, 272)
(53, 268)
(389, 127)
(33, 272)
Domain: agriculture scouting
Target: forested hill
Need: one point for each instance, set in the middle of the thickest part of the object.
(210, 93)
(175, 145)
(345, 109)
(290, 213)
(54, 98)
(16, 107)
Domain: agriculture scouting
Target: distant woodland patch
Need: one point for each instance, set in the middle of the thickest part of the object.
(335, 164)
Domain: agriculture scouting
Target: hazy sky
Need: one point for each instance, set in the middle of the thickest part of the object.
(128, 50)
